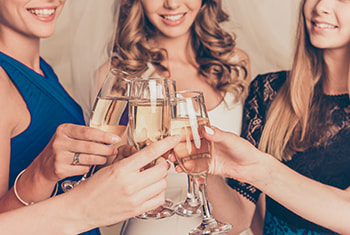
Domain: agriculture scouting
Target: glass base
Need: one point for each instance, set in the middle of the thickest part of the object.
(161, 212)
(187, 210)
(211, 227)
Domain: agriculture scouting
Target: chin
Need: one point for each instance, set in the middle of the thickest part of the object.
(45, 33)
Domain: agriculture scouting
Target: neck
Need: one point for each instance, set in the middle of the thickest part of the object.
(337, 62)
(22, 48)
(179, 49)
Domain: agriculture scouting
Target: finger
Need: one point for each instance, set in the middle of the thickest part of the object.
(152, 190)
(75, 170)
(88, 159)
(179, 169)
(153, 174)
(88, 133)
(152, 152)
(91, 148)
(172, 157)
(126, 150)
(152, 203)
(184, 149)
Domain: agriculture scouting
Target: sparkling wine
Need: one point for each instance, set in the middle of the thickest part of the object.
(110, 114)
(148, 121)
(193, 153)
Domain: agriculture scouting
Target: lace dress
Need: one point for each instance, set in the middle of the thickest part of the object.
(327, 161)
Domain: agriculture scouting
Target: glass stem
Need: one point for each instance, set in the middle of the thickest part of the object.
(201, 182)
(192, 198)
(190, 187)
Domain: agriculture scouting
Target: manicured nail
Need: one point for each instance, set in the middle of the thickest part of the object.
(209, 130)
(116, 139)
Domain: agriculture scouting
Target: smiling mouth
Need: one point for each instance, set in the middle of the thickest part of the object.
(42, 12)
(324, 26)
(173, 17)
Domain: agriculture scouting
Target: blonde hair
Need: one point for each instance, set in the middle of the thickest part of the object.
(288, 121)
(214, 47)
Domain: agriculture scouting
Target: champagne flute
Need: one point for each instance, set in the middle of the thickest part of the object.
(188, 119)
(110, 111)
(149, 121)
(191, 206)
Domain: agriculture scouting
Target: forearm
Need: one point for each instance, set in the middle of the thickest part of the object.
(228, 205)
(324, 205)
(28, 187)
(57, 215)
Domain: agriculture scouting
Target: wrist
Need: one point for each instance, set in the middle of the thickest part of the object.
(32, 187)
(262, 174)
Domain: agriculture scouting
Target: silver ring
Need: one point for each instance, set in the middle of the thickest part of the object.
(76, 159)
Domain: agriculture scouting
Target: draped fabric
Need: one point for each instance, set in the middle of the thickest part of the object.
(264, 29)
(43, 96)
(49, 106)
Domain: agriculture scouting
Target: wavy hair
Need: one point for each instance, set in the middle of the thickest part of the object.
(290, 125)
(214, 47)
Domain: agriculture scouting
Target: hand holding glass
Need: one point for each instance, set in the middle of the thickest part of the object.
(188, 120)
(110, 111)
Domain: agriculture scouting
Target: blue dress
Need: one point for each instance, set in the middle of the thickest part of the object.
(49, 106)
(327, 160)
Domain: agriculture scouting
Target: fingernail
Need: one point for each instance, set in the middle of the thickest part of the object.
(209, 130)
(116, 138)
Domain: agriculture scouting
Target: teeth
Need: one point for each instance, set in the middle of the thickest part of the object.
(325, 26)
(42, 12)
(173, 17)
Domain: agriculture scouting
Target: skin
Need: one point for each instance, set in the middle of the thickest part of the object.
(175, 37)
(327, 24)
(236, 158)
(20, 33)
(113, 194)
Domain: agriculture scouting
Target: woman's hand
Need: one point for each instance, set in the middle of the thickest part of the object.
(126, 190)
(233, 156)
(55, 162)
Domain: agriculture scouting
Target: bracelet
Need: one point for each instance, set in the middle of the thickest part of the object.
(19, 198)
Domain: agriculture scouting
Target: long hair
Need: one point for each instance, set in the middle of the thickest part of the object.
(213, 46)
(290, 118)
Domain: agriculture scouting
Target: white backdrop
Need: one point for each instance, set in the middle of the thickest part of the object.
(264, 29)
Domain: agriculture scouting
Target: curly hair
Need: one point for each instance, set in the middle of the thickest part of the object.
(214, 46)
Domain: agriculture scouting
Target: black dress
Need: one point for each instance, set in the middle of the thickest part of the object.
(327, 161)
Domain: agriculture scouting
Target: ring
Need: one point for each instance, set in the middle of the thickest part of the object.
(76, 159)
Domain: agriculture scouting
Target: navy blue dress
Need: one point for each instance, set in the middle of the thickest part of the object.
(49, 106)
(326, 161)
